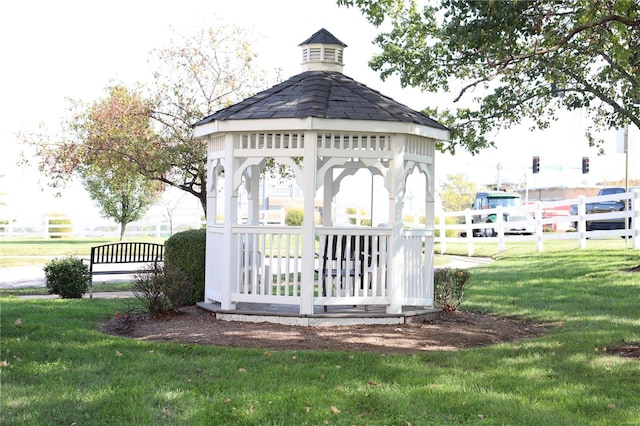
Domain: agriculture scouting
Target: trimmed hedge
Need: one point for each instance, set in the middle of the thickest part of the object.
(294, 216)
(185, 251)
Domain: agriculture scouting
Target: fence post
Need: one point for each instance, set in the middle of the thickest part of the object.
(539, 228)
(635, 219)
(45, 227)
(500, 228)
(582, 223)
(468, 222)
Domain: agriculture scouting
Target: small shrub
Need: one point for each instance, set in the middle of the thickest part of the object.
(185, 251)
(148, 288)
(161, 288)
(294, 217)
(69, 277)
(59, 224)
(351, 211)
(448, 287)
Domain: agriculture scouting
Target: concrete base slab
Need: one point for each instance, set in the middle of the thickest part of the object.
(335, 315)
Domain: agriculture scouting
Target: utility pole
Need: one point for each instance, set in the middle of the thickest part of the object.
(499, 179)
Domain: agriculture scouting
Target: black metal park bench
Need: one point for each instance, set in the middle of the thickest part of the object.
(132, 254)
(347, 258)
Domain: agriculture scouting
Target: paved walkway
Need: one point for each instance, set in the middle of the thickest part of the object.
(100, 295)
(466, 261)
(33, 276)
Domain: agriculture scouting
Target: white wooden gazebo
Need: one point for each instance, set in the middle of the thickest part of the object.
(324, 126)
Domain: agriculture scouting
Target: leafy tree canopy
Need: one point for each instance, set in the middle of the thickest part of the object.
(106, 143)
(124, 201)
(527, 59)
(113, 132)
(457, 192)
(195, 76)
(148, 129)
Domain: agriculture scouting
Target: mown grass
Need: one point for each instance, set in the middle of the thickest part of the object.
(58, 369)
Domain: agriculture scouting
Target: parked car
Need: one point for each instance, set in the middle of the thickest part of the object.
(525, 225)
(605, 207)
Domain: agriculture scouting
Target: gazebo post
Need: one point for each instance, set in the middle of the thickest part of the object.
(308, 224)
(429, 224)
(396, 246)
(230, 219)
(253, 194)
(327, 198)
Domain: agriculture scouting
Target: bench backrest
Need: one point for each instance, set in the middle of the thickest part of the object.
(127, 253)
(339, 247)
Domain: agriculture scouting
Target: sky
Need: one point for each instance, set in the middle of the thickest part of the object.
(53, 51)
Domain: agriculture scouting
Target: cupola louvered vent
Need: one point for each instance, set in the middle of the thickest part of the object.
(322, 52)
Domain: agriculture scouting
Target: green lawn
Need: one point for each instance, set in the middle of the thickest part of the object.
(58, 369)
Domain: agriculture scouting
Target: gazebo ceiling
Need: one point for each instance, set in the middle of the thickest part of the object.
(322, 94)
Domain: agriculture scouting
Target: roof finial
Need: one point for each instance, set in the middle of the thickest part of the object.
(322, 52)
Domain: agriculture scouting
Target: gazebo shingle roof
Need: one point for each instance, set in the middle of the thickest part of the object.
(323, 36)
(323, 94)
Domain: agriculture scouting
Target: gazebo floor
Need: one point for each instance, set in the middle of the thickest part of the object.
(335, 316)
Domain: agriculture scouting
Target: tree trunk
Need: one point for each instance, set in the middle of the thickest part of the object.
(123, 228)
(203, 202)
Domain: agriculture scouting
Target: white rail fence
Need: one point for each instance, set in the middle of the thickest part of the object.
(551, 221)
(80, 227)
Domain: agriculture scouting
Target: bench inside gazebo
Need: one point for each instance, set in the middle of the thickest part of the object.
(325, 127)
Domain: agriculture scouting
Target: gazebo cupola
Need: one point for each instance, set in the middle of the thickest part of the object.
(325, 127)
(322, 52)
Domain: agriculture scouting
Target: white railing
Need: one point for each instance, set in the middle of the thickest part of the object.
(268, 264)
(418, 262)
(351, 265)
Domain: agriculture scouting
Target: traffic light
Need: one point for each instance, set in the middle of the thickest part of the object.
(585, 165)
(536, 164)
